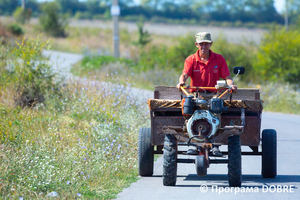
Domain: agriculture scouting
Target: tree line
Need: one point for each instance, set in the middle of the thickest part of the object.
(257, 11)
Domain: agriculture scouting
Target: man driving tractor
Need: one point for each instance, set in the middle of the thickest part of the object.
(205, 68)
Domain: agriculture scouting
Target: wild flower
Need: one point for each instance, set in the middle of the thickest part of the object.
(99, 127)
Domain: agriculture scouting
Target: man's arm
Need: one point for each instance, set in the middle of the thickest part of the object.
(182, 80)
(229, 81)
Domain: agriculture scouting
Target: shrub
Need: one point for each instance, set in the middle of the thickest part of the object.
(21, 16)
(178, 53)
(32, 75)
(52, 22)
(236, 55)
(278, 57)
(83, 15)
(143, 36)
(15, 29)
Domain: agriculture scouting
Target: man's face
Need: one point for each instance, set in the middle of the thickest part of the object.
(203, 47)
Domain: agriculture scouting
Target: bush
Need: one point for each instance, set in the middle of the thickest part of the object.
(236, 55)
(52, 22)
(178, 53)
(83, 15)
(15, 29)
(278, 57)
(95, 62)
(21, 16)
(143, 36)
(32, 75)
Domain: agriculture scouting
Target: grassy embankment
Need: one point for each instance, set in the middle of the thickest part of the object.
(81, 142)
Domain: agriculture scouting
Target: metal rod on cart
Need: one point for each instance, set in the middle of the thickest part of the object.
(184, 91)
(223, 94)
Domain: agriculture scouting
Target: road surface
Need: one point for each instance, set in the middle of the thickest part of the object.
(214, 185)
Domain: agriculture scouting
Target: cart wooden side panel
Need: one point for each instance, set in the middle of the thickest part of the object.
(161, 117)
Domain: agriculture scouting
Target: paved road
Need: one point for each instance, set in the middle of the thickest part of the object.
(188, 183)
(62, 63)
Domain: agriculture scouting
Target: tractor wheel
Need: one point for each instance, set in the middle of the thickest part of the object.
(145, 152)
(234, 161)
(201, 165)
(269, 153)
(170, 160)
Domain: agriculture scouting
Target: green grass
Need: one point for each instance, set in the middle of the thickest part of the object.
(280, 97)
(83, 144)
(124, 70)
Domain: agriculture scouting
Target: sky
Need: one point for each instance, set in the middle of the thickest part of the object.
(279, 4)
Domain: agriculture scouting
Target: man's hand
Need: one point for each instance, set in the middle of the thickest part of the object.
(179, 85)
(234, 88)
(230, 82)
(182, 80)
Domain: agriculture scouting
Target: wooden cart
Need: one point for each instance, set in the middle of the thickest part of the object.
(161, 139)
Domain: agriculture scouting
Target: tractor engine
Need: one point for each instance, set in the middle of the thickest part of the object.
(203, 124)
(202, 121)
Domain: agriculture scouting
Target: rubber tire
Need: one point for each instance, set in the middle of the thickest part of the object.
(200, 164)
(269, 153)
(234, 161)
(170, 160)
(145, 152)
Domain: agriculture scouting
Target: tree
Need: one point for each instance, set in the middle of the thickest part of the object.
(7, 7)
(71, 6)
(243, 10)
(294, 10)
(52, 22)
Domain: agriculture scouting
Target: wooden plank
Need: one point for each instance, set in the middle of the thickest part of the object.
(158, 122)
(172, 93)
(156, 94)
(251, 134)
(246, 94)
(168, 92)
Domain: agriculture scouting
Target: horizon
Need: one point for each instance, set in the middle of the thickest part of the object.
(278, 4)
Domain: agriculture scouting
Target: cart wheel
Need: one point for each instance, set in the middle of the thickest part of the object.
(201, 165)
(170, 160)
(234, 161)
(145, 152)
(269, 153)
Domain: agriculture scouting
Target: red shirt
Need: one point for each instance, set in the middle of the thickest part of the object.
(206, 75)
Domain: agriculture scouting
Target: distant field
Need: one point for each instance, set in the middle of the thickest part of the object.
(233, 35)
